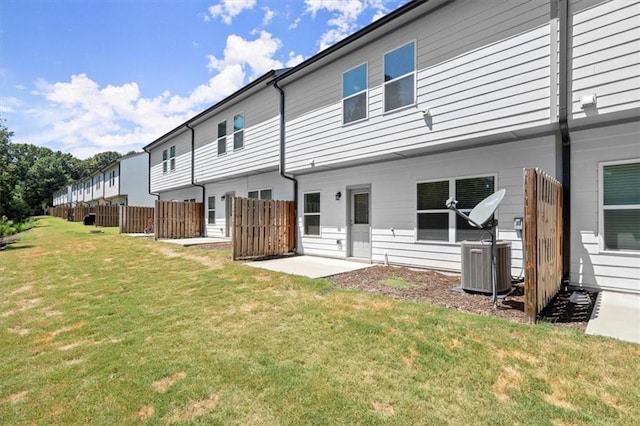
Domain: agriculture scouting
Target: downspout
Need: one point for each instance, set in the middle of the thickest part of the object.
(282, 166)
(566, 139)
(154, 194)
(193, 173)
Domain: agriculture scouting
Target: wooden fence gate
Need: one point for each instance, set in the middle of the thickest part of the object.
(262, 227)
(178, 219)
(136, 220)
(542, 240)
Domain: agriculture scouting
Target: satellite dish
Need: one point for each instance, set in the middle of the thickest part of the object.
(482, 212)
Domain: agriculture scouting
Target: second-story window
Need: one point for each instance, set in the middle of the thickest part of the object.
(222, 137)
(354, 94)
(238, 131)
(399, 77)
(165, 161)
(97, 183)
(172, 158)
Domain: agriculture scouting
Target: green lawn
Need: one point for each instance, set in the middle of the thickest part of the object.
(109, 329)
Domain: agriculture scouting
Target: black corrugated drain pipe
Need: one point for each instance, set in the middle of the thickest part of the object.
(282, 167)
(193, 173)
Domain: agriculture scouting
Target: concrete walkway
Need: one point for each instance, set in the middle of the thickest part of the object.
(309, 266)
(616, 315)
(186, 242)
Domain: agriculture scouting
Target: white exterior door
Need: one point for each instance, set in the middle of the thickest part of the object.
(359, 223)
(228, 213)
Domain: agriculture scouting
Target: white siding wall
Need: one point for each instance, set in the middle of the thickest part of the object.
(393, 201)
(261, 139)
(483, 69)
(181, 176)
(98, 187)
(282, 189)
(111, 188)
(591, 266)
(189, 193)
(605, 57)
(134, 182)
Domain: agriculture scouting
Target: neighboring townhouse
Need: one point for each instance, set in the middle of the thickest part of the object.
(456, 98)
(122, 182)
(126, 182)
(231, 149)
(62, 198)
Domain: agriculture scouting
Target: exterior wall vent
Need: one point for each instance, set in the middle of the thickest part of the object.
(476, 266)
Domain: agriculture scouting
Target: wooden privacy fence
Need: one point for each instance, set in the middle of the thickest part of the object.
(542, 240)
(178, 219)
(106, 215)
(60, 212)
(136, 220)
(262, 227)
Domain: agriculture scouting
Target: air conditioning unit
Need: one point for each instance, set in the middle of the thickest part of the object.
(476, 266)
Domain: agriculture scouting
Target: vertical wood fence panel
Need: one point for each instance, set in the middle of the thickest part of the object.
(178, 219)
(262, 227)
(106, 215)
(136, 220)
(543, 240)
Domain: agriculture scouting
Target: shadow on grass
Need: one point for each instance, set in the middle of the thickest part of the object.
(12, 247)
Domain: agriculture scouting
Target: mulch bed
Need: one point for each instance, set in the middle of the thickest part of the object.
(437, 288)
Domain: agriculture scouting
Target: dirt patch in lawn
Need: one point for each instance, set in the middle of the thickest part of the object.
(438, 288)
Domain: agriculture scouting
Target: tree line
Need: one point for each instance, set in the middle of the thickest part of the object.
(30, 175)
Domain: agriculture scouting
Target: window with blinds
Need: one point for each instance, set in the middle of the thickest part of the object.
(621, 206)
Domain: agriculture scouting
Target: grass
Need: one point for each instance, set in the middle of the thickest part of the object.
(395, 282)
(108, 329)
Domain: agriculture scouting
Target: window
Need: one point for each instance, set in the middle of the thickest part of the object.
(165, 164)
(190, 200)
(262, 194)
(98, 183)
(312, 213)
(354, 94)
(172, 158)
(399, 77)
(620, 215)
(211, 205)
(222, 137)
(434, 220)
(238, 131)
(169, 159)
(87, 185)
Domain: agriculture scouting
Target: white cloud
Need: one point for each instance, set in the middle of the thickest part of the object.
(83, 117)
(229, 9)
(9, 103)
(256, 54)
(344, 21)
(294, 24)
(294, 60)
(345, 16)
(268, 16)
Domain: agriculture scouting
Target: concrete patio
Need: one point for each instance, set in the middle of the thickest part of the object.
(309, 266)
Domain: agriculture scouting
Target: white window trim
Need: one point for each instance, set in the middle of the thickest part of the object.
(365, 91)
(226, 135)
(169, 158)
(452, 215)
(601, 207)
(414, 72)
(209, 209)
(244, 128)
(259, 191)
(319, 214)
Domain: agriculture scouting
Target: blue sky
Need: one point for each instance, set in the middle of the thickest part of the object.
(85, 76)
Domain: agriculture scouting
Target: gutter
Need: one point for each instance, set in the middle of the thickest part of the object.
(193, 171)
(282, 165)
(563, 124)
